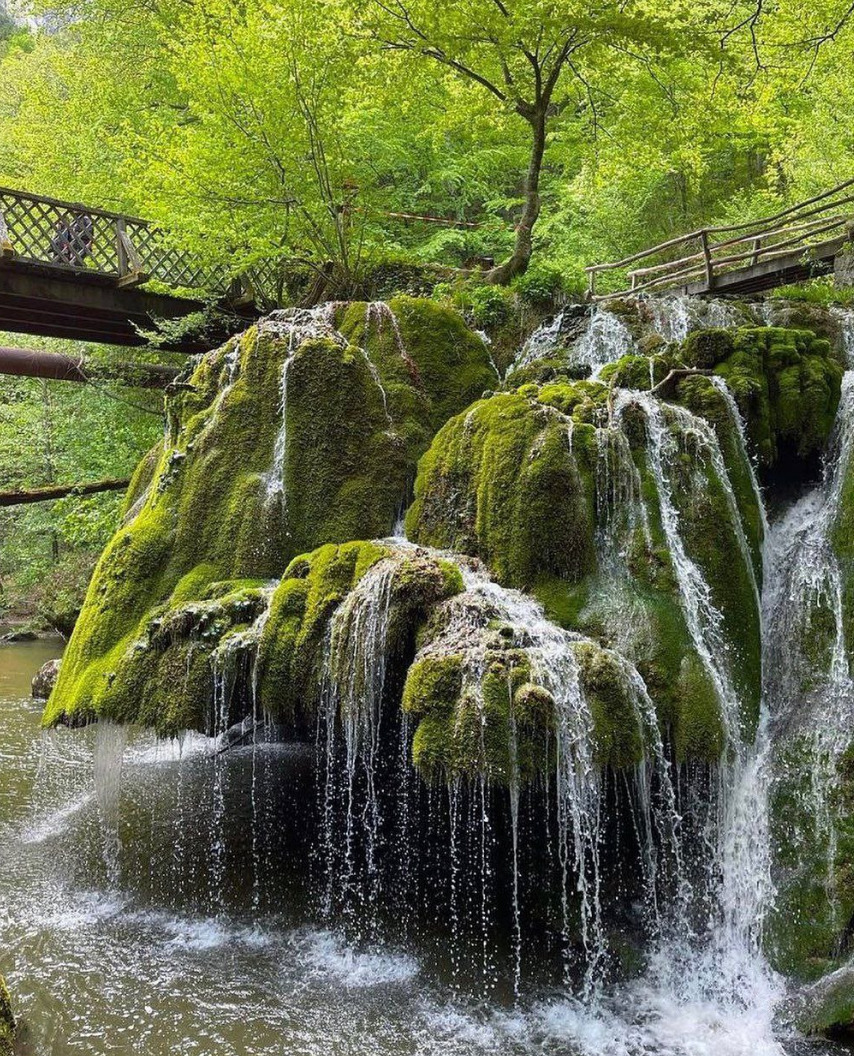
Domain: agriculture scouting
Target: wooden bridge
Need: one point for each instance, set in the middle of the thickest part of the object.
(69, 270)
(797, 243)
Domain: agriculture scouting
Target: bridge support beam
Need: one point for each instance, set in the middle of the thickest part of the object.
(30, 363)
(87, 307)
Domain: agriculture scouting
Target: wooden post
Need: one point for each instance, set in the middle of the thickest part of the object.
(121, 251)
(130, 266)
(757, 245)
(707, 257)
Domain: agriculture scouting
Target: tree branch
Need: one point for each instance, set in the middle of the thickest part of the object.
(21, 498)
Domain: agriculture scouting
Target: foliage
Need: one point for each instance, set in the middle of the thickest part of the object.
(54, 432)
(820, 291)
(301, 129)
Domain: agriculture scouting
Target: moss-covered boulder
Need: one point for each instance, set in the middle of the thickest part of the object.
(827, 1006)
(334, 606)
(812, 818)
(288, 437)
(499, 692)
(557, 488)
(785, 382)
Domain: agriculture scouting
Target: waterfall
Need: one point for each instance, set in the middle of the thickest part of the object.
(667, 428)
(645, 883)
(350, 717)
(676, 315)
(296, 325)
(541, 344)
(110, 743)
(744, 448)
(813, 686)
(606, 339)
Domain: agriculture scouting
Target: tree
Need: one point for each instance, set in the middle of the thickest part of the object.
(534, 59)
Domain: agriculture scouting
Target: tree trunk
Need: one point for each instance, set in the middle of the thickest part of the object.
(517, 263)
(20, 498)
(27, 363)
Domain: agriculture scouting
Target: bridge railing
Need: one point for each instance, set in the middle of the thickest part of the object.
(76, 238)
(703, 256)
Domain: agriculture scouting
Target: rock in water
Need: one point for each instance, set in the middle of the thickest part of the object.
(45, 680)
(19, 636)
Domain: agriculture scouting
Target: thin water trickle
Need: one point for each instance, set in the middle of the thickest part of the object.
(108, 756)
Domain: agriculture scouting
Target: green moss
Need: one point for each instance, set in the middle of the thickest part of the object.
(142, 478)
(637, 372)
(827, 1006)
(492, 723)
(618, 737)
(787, 386)
(705, 349)
(521, 487)
(206, 507)
(291, 648)
(808, 931)
(511, 482)
(702, 398)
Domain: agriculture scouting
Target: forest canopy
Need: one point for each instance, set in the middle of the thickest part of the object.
(298, 129)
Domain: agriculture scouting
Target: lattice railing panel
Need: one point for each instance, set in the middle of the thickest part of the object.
(65, 235)
(70, 236)
(62, 235)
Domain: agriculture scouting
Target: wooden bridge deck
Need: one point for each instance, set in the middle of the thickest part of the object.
(69, 270)
(797, 243)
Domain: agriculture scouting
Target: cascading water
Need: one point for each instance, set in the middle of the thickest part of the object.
(296, 325)
(809, 671)
(353, 683)
(507, 876)
(110, 741)
(607, 336)
(675, 316)
(605, 340)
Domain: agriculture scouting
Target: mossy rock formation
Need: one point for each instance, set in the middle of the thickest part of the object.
(556, 491)
(235, 561)
(238, 489)
(786, 384)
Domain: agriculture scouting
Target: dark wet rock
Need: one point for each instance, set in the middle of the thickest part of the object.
(19, 636)
(45, 680)
(7, 1021)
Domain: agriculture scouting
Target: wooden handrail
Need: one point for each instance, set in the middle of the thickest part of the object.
(797, 225)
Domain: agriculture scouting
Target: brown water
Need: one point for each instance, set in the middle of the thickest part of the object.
(153, 901)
